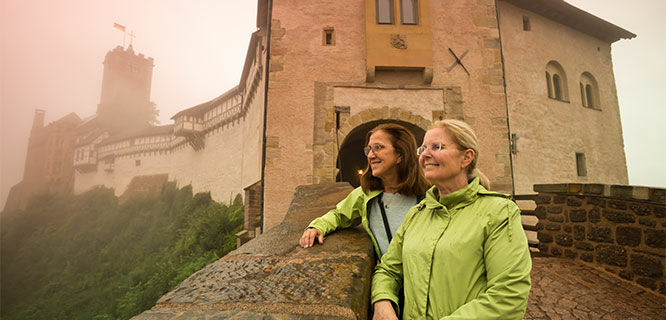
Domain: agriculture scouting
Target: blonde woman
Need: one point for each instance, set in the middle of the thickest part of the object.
(461, 253)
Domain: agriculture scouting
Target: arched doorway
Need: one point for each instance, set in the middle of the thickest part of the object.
(351, 158)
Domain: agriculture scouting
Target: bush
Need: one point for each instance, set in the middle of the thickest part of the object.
(89, 257)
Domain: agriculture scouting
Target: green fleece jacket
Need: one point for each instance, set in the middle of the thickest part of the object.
(462, 256)
(348, 213)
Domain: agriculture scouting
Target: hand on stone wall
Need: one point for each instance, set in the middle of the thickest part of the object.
(309, 236)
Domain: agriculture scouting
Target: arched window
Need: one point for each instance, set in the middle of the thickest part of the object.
(557, 87)
(589, 91)
(556, 82)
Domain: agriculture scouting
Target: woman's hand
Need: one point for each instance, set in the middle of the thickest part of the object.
(309, 236)
(384, 311)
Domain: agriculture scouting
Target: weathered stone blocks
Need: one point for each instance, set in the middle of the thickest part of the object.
(572, 202)
(648, 283)
(579, 232)
(600, 234)
(646, 266)
(640, 209)
(628, 236)
(586, 246)
(542, 199)
(655, 238)
(564, 239)
(618, 216)
(577, 215)
(611, 255)
(544, 237)
(647, 222)
(594, 215)
(624, 233)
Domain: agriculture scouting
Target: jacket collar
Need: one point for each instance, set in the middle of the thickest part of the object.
(462, 196)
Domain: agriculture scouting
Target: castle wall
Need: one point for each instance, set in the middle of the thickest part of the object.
(298, 62)
(309, 79)
(549, 131)
(461, 25)
(229, 162)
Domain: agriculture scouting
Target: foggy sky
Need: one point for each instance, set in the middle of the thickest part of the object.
(52, 53)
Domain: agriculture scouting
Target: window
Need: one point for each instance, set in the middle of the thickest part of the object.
(526, 23)
(409, 12)
(557, 87)
(384, 11)
(329, 36)
(589, 91)
(137, 162)
(556, 82)
(580, 164)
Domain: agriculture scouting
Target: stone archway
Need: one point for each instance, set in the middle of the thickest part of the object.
(329, 141)
(351, 158)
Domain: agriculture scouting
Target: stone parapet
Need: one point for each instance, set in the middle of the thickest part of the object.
(621, 229)
(271, 277)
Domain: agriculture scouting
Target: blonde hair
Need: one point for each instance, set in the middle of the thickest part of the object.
(465, 138)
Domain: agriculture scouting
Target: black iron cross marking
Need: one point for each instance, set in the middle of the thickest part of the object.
(458, 61)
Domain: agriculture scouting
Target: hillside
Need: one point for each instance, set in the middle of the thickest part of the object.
(91, 257)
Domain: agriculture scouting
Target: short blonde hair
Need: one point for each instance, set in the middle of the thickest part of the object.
(465, 138)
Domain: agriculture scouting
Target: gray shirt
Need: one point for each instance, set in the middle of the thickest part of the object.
(396, 206)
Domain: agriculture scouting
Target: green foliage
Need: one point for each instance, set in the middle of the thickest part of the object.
(89, 257)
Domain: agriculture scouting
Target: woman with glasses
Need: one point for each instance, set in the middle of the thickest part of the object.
(391, 184)
(461, 253)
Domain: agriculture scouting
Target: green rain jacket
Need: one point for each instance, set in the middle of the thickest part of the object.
(348, 213)
(462, 257)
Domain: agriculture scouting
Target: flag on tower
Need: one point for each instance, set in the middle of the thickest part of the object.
(119, 27)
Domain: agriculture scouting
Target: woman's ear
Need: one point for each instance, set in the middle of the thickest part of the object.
(468, 157)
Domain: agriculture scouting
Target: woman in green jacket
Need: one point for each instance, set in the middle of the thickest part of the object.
(461, 253)
(392, 183)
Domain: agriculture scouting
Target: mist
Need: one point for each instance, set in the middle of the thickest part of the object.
(52, 53)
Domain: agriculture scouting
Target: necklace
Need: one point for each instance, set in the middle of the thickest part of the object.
(387, 204)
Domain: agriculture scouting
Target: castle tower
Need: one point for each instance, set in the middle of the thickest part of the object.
(125, 99)
(48, 162)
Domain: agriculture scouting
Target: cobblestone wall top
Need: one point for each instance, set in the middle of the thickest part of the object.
(657, 195)
(271, 277)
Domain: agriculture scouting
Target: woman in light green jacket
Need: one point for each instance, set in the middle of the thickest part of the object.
(461, 253)
(391, 184)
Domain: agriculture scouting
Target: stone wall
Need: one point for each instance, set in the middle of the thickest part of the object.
(621, 229)
(272, 277)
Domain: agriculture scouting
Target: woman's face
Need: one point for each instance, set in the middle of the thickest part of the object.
(383, 158)
(446, 165)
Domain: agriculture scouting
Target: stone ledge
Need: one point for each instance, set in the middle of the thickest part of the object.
(657, 195)
(271, 277)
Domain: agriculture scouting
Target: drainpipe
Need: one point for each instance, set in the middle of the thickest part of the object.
(506, 102)
(269, 17)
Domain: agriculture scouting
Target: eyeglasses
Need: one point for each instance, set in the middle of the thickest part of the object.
(433, 148)
(375, 148)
